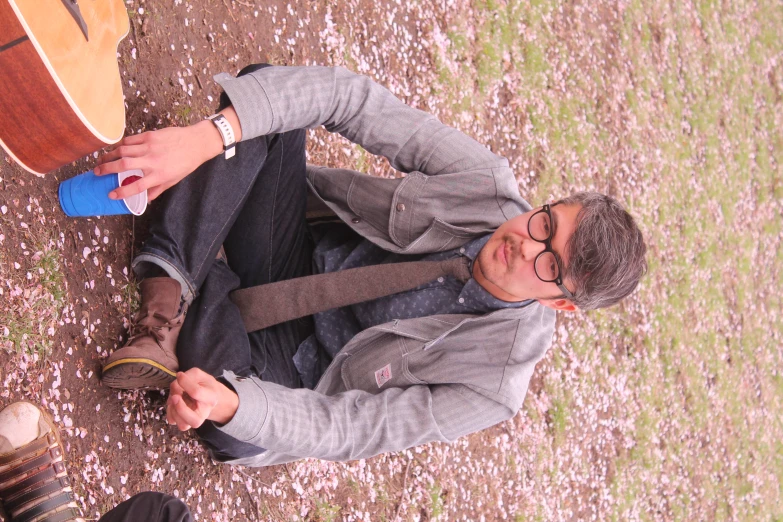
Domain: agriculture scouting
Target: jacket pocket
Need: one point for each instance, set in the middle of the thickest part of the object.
(469, 362)
(442, 236)
(378, 366)
(408, 347)
(370, 198)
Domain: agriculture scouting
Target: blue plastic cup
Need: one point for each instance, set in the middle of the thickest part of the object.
(88, 195)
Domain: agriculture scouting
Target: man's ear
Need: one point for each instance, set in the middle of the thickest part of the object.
(558, 304)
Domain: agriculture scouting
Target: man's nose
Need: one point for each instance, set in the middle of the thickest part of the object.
(531, 248)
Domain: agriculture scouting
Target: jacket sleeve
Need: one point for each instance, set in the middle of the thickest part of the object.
(280, 99)
(456, 188)
(355, 424)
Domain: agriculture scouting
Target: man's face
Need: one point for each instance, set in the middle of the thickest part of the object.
(505, 267)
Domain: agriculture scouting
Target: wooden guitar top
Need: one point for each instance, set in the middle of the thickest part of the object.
(93, 85)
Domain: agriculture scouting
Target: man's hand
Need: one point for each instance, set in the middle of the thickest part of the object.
(166, 156)
(196, 397)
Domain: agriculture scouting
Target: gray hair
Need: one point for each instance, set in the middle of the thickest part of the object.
(605, 253)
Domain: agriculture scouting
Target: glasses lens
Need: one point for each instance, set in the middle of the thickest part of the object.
(546, 267)
(540, 227)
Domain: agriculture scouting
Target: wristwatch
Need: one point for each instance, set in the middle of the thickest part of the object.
(226, 132)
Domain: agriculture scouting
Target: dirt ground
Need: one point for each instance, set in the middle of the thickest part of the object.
(117, 443)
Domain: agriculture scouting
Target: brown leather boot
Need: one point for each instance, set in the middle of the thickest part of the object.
(149, 360)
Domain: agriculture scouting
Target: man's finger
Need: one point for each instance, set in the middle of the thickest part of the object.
(120, 165)
(123, 151)
(199, 374)
(175, 388)
(135, 139)
(134, 188)
(194, 418)
(193, 387)
(181, 425)
(154, 192)
(171, 415)
(190, 401)
(132, 139)
(173, 418)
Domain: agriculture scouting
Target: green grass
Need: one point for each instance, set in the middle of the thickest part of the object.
(25, 319)
(131, 299)
(436, 501)
(326, 512)
(705, 118)
(184, 113)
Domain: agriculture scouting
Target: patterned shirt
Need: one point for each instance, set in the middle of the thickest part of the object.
(340, 248)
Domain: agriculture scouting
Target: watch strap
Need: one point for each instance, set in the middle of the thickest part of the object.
(226, 132)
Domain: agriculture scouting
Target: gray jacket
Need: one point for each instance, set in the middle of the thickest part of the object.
(449, 375)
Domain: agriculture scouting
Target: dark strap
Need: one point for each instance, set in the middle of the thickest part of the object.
(39, 492)
(46, 458)
(28, 449)
(42, 476)
(266, 305)
(44, 507)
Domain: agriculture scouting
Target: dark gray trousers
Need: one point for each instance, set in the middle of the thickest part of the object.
(254, 205)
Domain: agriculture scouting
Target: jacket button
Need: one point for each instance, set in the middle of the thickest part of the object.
(400, 207)
(355, 220)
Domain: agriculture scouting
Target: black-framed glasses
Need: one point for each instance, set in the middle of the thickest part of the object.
(547, 265)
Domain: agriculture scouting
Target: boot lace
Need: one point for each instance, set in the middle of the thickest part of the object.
(156, 331)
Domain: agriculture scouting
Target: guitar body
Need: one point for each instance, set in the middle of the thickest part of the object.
(60, 94)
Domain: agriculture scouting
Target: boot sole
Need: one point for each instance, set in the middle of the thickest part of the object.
(135, 373)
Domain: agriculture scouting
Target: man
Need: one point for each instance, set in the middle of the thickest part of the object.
(452, 356)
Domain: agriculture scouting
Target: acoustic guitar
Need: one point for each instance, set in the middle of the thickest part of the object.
(60, 87)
